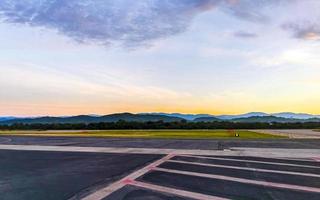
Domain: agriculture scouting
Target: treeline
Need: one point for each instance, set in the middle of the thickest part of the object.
(161, 125)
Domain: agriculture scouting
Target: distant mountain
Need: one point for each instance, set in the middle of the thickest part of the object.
(270, 119)
(189, 117)
(207, 119)
(94, 119)
(285, 117)
(6, 118)
(246, 115)
(295, 115)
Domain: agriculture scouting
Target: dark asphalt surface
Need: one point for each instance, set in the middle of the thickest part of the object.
(276, 160)
(27, 175)
(252, 165)
(214, 144)
(223, 188)
(136, 193)
(252, 175)
(233, 189)
(63, 175)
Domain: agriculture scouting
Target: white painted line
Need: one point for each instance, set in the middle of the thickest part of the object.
(5, 140)
(242, 180)
(251, 161)
(111, 150)
(317, 159)
(177, 192)
(106, 191)
(296, 159)
(245, 168)
(277, 152)
(292, 153)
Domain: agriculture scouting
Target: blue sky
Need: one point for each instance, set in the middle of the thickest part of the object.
(193, 56)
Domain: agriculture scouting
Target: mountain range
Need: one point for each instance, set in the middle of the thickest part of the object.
(246, 115)
(252, 117)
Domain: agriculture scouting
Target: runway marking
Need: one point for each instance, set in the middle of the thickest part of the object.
(317, 159)
(5, 140)
(245, 168)
(296, 159)
(106, 191)
(242, 180)
(243, 152)
(251, 161)
(112, 150)
(277, 158)
(178, 192)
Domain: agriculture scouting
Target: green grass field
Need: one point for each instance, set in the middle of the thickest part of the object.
(166, 134)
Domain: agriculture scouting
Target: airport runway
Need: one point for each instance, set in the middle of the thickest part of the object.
(213, 144)
(117, 169)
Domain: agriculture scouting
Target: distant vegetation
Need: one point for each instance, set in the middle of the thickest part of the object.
(156, 121)
(183, 124)
(111, 120)
(165, 134)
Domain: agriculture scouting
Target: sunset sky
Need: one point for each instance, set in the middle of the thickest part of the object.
(68, 57)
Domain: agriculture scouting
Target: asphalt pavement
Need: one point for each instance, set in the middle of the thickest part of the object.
(67, 168)
(204, 144)
(26, 175)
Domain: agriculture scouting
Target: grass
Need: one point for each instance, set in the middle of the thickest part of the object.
(165, 134)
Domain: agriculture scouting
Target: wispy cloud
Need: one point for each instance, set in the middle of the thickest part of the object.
(248, 10)
(244, 34)
(133, 23)
(305, 31)
(124, 21)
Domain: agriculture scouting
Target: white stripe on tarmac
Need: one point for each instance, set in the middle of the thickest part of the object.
(296, 159)
(274, 153)
(177, 192)
(4, 139)
(277, 152)
(317, 159)
(106, 191)
(245, 168)
(242, 180)
(251, 161)
(114, 150)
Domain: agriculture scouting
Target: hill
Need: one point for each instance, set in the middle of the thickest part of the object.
(207, 119)
(93, 119)
(6, 118)
(270, 119)
(189, 117)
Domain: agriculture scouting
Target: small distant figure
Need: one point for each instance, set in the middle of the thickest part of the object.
(233, 132)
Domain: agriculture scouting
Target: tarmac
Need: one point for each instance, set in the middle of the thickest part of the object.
(153, 169)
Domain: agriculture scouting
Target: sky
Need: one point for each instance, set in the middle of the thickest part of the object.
(74, 57)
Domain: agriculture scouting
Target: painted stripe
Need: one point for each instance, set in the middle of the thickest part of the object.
(296, 159)
(317, 159)
(176, 192)
(245, 168)
(271, 153)
(241, 180)
(276, 158)
(251, 161)
(5, 140)
(106, 191)
(114, 150)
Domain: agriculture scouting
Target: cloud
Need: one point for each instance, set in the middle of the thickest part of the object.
(244, 34)
(127, 22)
(305, 31)
(131, 23)
(247, 10)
